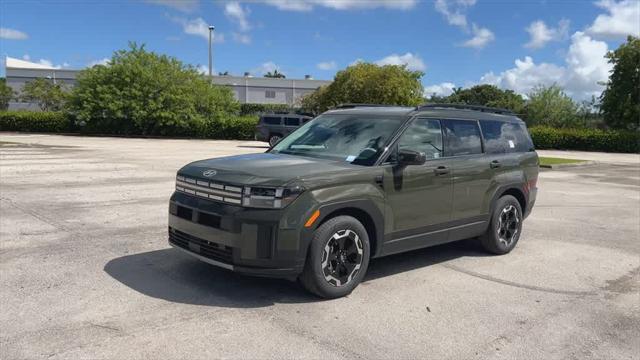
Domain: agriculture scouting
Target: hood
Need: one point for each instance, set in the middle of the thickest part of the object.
(264, 169)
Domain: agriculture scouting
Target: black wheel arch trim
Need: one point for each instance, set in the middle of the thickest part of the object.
(501, 190)
(366, 206)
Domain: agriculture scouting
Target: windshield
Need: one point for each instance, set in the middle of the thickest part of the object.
(356, 139)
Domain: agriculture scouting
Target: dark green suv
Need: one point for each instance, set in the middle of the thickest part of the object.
(359, 182)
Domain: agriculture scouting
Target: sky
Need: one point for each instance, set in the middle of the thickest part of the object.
(515, 45)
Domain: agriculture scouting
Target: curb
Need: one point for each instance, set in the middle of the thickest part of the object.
(562, 166)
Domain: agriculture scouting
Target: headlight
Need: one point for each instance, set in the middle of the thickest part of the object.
(271, 198)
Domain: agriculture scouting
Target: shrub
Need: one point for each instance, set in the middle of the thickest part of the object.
(232, 127)
(257, 109)
(586, 139)
(143, 93)
(34, 121)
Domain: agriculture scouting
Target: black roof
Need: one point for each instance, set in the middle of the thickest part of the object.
(451, 111)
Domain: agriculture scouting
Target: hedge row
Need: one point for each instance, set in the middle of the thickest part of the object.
(243, 127)
(34, 121)
(586, 139)
(224, 127)
(257, 109)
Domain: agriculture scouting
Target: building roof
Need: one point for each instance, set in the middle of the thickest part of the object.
(14, 63)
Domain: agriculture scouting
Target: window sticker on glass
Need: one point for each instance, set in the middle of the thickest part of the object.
(350, 158)
(511, 144)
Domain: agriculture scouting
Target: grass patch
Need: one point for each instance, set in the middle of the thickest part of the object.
(547, 161)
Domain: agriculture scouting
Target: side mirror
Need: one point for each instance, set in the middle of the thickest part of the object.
(410, 157)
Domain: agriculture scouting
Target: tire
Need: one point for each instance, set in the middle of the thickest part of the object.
(505, 226)
(273, 139)
(332, 270)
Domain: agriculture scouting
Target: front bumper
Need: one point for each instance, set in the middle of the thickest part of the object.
(250, 241)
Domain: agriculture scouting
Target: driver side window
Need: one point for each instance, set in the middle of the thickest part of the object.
(425, 136)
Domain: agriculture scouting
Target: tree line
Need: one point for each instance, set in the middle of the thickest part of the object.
(144, 92)
(617, 108)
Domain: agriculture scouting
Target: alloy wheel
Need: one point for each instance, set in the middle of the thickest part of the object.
(342, 257)
(508, 224)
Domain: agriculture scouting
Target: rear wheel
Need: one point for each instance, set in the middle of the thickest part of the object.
(505, 226)
(273, 139)
(337, 259)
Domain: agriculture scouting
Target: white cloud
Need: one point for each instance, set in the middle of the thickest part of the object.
(26, 57)
(12, 34)
(308, 5)
(481, 37)
(327, 65)
(413, 62)
(103, 61)
(241, 38)
(442, 89)
(234, 11)
(454, 11)
(266, 67)
(581, 76)
(198, 27)
(540, 34)
(622, 19)
(186, 6)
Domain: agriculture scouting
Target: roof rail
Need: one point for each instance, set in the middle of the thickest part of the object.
(356, 105)
(467, 107)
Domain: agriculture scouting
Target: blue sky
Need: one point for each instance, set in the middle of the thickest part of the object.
(512, 44)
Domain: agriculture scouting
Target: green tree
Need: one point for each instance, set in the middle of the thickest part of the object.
(550, 106)
(141, 92)
(6, 94)
(48, 95)
(275, 74)
(488, 95)
(368, 83)
(620, 101)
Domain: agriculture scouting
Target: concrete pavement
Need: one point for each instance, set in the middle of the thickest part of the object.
(86, 272)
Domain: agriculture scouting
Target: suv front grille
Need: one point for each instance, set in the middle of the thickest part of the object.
(201, 247)
(209, 190)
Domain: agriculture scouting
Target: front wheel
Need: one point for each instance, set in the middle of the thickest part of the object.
(337, 259)
(505, 226)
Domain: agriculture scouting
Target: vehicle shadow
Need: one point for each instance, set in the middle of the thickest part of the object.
(170, 275)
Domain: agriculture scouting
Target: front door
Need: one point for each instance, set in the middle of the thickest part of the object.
(419, 197)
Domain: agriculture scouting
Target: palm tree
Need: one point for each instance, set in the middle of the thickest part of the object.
(275, 74)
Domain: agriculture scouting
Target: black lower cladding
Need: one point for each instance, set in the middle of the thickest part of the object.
(208, 249)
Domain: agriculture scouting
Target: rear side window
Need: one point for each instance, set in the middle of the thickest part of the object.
(501, 137)
(462, 137)
(292, 121)
(270, 120)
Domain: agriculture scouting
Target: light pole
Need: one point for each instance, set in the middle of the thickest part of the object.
(211, 28)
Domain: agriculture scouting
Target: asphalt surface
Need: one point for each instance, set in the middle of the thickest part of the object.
(86, 272)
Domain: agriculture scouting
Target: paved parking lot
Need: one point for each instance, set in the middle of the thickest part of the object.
(86, 272)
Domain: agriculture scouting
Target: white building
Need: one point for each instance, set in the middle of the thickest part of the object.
(247, 89)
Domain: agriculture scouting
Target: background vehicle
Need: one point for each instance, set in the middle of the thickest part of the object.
(273, 127)
(355, 183)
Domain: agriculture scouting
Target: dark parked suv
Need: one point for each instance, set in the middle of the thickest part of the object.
(273, 127)
(359, 182)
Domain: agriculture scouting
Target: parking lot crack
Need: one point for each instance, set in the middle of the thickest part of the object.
(515, 284)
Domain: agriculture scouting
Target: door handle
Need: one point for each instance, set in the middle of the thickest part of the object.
(495, 164)
(441, 170)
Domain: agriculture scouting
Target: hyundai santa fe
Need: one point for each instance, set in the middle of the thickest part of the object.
(356, 183)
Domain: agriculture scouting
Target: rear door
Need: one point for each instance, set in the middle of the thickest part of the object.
(472, 174)
(418, 196)
(290, 124)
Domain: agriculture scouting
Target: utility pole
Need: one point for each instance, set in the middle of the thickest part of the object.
(211, 28)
